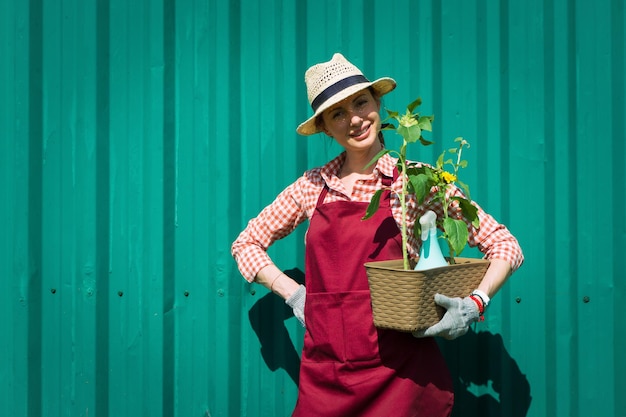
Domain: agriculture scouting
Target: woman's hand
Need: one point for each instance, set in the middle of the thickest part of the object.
(276, 281)
(460, 314)
(296, 302)
(290, 290)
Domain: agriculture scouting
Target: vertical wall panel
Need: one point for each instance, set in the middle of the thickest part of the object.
(138, 138)
(13, 397)
(617, 77)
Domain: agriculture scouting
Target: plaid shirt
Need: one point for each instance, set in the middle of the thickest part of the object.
(296, 203)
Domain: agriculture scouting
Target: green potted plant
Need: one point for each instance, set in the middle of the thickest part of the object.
(402, 298)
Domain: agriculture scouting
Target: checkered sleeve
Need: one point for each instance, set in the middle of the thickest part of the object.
(492, 238)
(274, 222)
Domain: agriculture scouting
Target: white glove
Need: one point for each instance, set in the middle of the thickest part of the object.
(296, 302)
(460, 314)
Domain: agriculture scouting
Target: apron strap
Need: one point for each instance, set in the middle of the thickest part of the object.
(320, 199)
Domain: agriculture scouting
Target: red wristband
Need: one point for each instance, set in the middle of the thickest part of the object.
(479, 304)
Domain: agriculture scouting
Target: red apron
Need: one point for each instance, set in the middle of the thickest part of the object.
(349, 368)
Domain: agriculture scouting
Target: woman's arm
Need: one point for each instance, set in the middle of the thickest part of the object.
(276, 281)
(274, 222)
(496, 275)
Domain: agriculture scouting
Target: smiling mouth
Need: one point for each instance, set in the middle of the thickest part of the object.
(360, 132)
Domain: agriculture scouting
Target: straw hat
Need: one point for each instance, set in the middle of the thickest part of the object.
(330, 82)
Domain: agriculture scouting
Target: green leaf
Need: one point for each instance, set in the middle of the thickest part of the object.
(424, 123)
(429, 173)
(412, 106)
(456, 233)
(470, 211)
(425, 142)
(440, 160)
(372, 207)
(463, 164)
(410, 134)
(412, 169)
(392, 114)
(417, 229)
(377, 157)
(465, 188)
(421, 186)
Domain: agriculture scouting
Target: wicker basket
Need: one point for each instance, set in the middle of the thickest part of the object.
(404, 299)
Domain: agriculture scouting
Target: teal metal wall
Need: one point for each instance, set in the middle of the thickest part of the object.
(138, 137)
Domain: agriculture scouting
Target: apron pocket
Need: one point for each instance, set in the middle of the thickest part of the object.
(322, 313)
(340, 327)
(360, 336)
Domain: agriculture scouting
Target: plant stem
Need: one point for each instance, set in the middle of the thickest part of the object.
(405, 255)
(451, 260)
(403, 194)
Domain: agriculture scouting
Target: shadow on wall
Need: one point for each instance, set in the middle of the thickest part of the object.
(487, 381)
(267, 318)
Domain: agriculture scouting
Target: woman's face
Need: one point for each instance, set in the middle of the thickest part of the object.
(354, 122)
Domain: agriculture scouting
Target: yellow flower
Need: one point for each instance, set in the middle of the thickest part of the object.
(447, 177)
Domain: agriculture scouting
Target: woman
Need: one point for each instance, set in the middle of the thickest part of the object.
(350, 368)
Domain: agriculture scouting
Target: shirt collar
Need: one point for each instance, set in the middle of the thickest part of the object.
(330, 172)
(386, 165)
